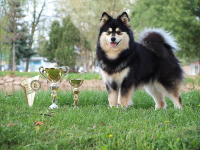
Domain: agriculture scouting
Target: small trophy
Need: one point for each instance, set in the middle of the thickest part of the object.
(76, 83)
(54, 75)
(30, 86)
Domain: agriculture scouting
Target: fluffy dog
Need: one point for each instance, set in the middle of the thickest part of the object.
(126, 64)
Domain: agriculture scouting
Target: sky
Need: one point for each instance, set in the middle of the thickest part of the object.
(48, 14)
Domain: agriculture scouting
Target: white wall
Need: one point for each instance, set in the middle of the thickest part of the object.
(36, 62)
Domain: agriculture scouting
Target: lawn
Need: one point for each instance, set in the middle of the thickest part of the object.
(85, 76)
(88, 76)
(96, 126)
(193, 80)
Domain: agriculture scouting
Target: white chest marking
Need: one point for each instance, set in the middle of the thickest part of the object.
(116, 77)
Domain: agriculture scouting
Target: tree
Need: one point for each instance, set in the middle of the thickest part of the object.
(34, 23)
(182, 18)
(35, 20)
(62, 39)
(70, 37)
(51, 45)
(15, 16)
(2, 32)
(86, 16)
(23, 49)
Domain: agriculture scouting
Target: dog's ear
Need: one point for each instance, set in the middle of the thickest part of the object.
(124, 18)
(105, 17)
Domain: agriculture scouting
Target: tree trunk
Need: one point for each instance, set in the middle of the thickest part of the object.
(112, 8)
(14, 65)
(34, 23)
(27, 63)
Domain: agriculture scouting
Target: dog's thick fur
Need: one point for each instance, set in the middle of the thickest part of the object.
(126, 64)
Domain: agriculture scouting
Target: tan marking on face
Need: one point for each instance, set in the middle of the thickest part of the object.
(117, 29)
(110, 29)
(113, 52)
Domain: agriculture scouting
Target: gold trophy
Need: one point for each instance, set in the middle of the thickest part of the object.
(54, 75)
(30, 86)
(76, 83)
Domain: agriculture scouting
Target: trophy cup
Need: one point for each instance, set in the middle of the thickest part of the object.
(76, 83)
(54, 75)
(30, 86)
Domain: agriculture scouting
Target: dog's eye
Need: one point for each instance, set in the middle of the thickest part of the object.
(119, 32)
(108, 32)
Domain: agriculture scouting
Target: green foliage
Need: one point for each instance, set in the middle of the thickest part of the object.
(20, 74)
(85, 76)
(60, 47)
(194, 81)
(13, 26)
(86, 14)
(96, 126)
(182, 18)
(54, 39)
(22, 46)
(16, 30)
(4, 48)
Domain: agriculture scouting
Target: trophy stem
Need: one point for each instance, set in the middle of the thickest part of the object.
(54, 87)
(75, 83)
(76, 92)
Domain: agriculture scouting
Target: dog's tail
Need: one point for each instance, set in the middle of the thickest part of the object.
(158, 41)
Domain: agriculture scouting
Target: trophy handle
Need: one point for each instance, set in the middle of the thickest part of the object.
(66, 71)
(41, 70)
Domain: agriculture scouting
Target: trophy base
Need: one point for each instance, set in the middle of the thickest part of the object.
(53, 106)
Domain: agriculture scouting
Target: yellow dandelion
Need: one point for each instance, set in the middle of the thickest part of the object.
(199, 105)
(166, 121)
(37, 127)
(99, 77)
(110, 135)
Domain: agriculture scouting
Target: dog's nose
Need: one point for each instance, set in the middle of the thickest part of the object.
(113, 39)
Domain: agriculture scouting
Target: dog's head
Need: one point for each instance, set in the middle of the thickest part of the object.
(114, 34)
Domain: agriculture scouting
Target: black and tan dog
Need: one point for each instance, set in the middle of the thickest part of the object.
(126, 64)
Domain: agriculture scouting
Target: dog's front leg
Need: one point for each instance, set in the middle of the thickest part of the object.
(112, 96)
(125, 96)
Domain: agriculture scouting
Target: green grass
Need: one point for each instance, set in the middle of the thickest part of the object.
(89, 127)
(195, 80)
(20, 74)
(85, 76)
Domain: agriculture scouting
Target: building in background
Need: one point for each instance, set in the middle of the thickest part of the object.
(36, 62)
(192, 69)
